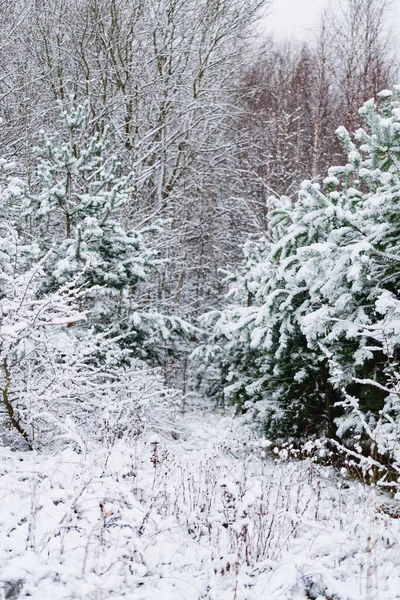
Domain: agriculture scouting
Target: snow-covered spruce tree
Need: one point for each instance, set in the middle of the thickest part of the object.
(320, 336)
(79, 212)
(265, 364)
(61, 384)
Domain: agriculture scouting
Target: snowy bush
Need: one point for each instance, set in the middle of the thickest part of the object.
(65, 384)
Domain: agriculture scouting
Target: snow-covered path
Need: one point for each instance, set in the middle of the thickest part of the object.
(206, 515)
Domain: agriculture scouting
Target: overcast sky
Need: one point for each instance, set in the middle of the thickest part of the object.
(293, 17)
(296, 18)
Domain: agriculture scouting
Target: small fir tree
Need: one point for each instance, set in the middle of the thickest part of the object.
(80, 213)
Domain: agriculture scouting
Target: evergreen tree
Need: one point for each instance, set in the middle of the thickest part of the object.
(61, 384)
(80, 213)
(318, 344)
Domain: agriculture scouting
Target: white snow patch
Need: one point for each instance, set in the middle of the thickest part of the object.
(204, 516)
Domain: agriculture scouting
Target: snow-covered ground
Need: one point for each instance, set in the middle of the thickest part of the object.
(201, 512)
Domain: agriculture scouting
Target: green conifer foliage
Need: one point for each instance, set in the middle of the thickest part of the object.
(316, 349)
(79, 211)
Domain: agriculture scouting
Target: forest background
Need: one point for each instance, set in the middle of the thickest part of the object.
(142, 143)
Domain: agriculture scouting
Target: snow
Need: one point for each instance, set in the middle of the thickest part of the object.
(385, 94)
(13, 330)
(206, 515)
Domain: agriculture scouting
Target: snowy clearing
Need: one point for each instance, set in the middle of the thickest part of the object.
(206, 515)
